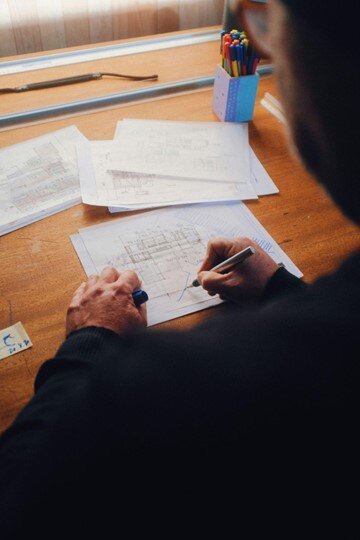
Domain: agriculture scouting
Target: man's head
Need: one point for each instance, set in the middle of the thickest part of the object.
(314, 48)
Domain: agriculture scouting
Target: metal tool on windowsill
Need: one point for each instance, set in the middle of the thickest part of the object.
(74, 80)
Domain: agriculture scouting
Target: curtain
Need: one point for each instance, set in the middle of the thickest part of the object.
(38, 25)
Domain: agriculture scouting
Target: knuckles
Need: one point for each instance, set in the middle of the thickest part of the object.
(131, 274)
(131, 277)
(121, 290)
(98, 290)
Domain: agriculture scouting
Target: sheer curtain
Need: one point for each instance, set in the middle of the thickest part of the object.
(36, 25)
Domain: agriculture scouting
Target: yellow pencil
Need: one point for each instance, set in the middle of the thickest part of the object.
(235, 68)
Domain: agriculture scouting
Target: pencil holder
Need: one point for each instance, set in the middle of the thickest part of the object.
(234, 97)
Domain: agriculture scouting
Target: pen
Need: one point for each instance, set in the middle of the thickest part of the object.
(242, 53)
(245, 50)
(222, 34)
(226, 44)
(239, 58)
(228, 59)
(229, 263)
(139, 297)
(234, 63)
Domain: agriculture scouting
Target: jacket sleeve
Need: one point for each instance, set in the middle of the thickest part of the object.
(281, 284)
(54, 429)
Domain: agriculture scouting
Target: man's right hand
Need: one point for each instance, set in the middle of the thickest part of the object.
(244, 282)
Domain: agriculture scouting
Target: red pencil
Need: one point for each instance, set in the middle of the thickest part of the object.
(228, 59)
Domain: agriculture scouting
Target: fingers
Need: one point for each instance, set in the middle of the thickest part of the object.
(78, 294)
(220, 249)
(109, 274)
(215, 283)
(216, 252)
(92, 280)
(143, 313)
(129, 280)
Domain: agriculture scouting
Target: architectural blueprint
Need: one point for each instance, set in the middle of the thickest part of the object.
(198, 150)
(102, 187)
(166, 247)
(38, 177)
(260, 180)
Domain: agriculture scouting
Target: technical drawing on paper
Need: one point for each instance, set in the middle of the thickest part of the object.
(113, 186)
(36, 178)
(163, 256)
(126, 183)
(38, 174)
(203, 150)
(166, 248)
(100, 186)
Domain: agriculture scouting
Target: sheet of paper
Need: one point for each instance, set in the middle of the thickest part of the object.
(166, 247)
(202, 150)
(38, 177)
(260, 179)
(13, 339)
(135, 190)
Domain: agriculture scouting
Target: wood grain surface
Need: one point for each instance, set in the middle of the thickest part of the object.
(171, 65)
(39, 269)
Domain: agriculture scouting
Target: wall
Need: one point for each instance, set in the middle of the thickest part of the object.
(36, 25)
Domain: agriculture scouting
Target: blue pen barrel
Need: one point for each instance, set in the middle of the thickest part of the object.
(140, 297)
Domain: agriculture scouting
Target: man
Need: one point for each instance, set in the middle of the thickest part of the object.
(147, 428)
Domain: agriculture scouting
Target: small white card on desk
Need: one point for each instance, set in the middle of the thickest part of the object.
(13, 339)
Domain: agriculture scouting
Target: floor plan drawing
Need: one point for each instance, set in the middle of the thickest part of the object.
(163, 257)
(127, 183)
(166, 248)
(101, 186)
(38, 176)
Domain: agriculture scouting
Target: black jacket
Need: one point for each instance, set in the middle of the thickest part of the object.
(158, 427)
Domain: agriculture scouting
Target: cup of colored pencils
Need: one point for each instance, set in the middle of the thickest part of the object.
(236, 80)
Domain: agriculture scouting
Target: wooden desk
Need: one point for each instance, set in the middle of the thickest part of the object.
(39, 269)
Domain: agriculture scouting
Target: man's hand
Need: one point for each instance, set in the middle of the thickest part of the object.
(246, 281)
(106, 301)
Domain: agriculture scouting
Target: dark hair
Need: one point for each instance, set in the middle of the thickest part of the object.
(325, 64)
(331, 18)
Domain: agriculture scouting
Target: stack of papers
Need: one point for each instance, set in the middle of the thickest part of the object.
(149, 164)
(166, 247)
(161, 163)
(38, 178)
